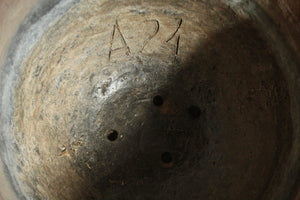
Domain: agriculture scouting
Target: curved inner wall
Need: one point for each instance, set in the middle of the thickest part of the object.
(225, 120)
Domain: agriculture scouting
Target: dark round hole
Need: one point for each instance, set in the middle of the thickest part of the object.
(194, 111)
(158, 100)
(166, 157)
(112, 135)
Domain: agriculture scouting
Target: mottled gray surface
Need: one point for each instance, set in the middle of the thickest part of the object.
(48, 12)
(45, 14)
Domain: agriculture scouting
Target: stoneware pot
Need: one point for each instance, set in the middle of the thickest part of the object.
(150, 99)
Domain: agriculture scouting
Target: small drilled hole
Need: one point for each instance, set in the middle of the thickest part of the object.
(194, 111)
(112, 135)
(158, 100)
(166, 157)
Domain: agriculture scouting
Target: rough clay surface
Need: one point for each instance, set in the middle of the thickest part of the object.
(99, 66)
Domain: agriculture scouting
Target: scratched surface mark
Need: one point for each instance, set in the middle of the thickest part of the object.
(99, 67)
